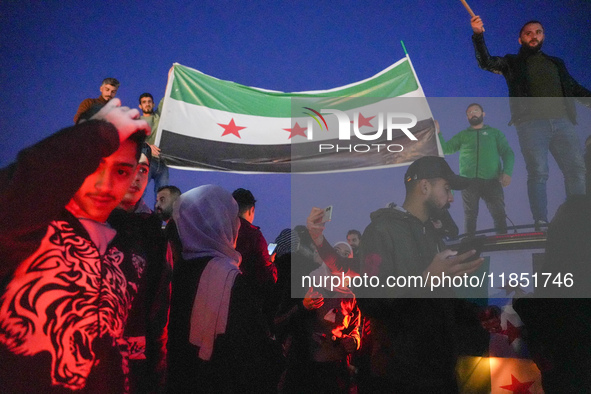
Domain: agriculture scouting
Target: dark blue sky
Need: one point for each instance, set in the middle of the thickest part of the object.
(55, 54)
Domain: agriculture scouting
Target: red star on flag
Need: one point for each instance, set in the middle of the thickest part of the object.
(231, 128)
(297, 130)
(518, 387)
(512, 332)
(363, 121)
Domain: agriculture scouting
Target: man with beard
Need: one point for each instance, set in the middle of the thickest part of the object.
(165, 198)
(108, 90)
(481, 150)
(544, 117)
(158, 167)
(414, 333)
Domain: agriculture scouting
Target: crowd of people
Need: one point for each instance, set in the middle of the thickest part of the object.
(101, 293)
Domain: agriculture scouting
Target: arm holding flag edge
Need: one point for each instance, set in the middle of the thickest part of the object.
(439, 149)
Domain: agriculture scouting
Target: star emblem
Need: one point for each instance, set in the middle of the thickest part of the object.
(297, 130)
(363, 121)
(231, 128)
(518, 387)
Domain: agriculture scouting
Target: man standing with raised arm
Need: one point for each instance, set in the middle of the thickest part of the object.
(544, 115)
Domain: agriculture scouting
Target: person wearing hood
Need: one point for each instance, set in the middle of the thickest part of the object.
(413, 333)
(218, 341)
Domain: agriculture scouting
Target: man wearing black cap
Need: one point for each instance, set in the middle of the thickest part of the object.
(412, 333)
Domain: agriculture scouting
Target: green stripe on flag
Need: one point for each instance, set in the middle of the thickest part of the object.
(194, 87)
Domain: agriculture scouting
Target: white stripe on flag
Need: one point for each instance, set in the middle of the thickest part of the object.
(203, 122)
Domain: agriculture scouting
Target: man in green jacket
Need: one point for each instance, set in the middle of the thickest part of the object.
(481, 150)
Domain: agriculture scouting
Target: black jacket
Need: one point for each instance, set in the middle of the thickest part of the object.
(415, 340)
(514, 69)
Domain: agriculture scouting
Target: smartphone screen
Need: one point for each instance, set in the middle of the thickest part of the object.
(271, 248)
(327, 214)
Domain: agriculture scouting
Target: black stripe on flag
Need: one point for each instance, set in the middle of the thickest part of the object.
(301, 157)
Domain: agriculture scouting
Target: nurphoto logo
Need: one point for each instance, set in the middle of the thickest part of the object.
(402, 121)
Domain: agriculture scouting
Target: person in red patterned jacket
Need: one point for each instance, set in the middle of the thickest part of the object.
(67, 279)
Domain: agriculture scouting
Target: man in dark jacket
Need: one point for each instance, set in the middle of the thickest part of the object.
(413, 333)
(256, 264)
(542, 109)
(108, 89)
(145, 333)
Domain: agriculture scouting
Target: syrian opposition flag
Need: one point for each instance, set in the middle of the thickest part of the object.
(498, 375)
(507, 366)
(210, 124)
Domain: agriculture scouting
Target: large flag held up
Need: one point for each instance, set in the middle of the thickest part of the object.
(211, 124)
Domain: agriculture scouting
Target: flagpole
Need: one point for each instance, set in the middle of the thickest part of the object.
(404, 48)
(413, 69)
(166, 97)
(472, 14)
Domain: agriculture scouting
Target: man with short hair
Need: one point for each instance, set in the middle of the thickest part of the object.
(354, 239)
(482, 148)
(165, 198)
(67, 279)
(147, 107)
(414, 336)
(145, 333)
(108, 90)
(158, 167)
(133, 202)
(256, 264)
(544, 114)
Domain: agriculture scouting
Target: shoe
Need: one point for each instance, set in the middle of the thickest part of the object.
(540, 224)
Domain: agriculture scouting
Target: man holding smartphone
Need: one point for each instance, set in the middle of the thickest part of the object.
(414, 334)
(256, 263)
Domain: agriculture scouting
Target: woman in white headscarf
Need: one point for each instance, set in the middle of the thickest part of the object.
(218, 341)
